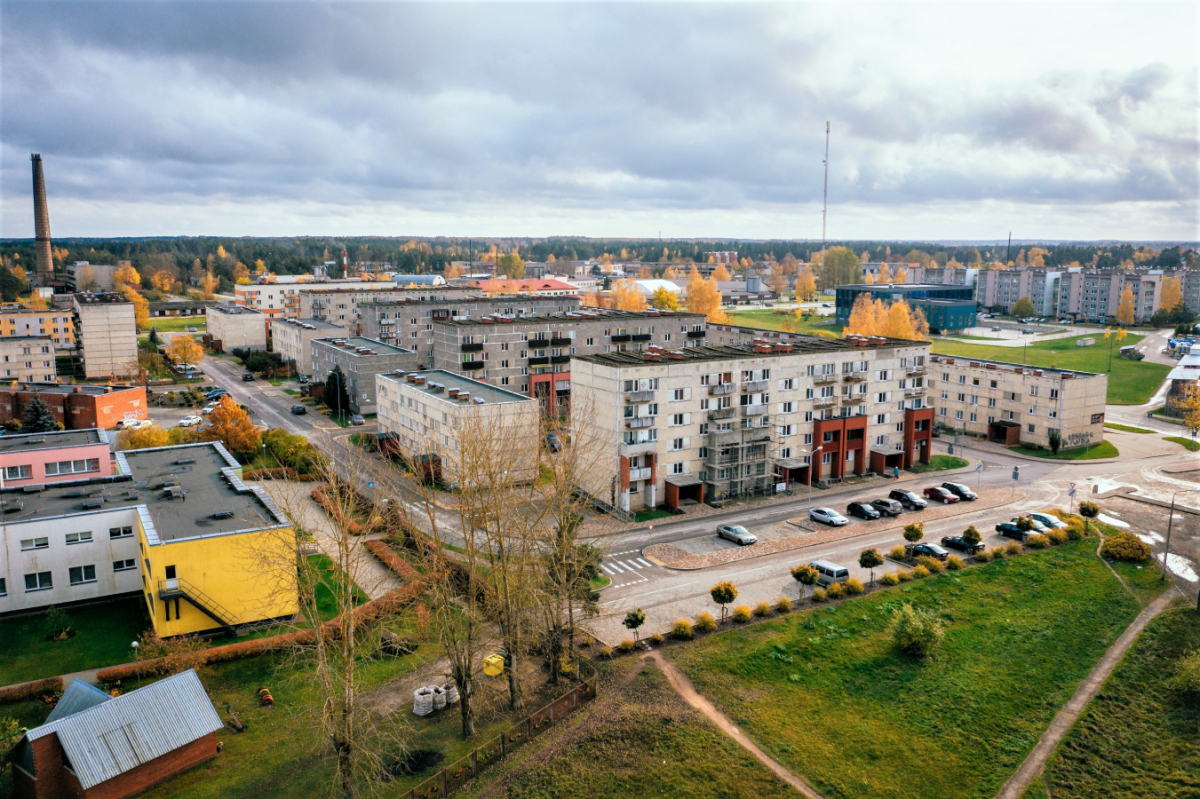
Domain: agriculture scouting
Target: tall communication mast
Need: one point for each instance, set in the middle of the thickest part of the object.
(825, 196)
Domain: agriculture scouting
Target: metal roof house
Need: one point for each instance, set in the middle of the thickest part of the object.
(95, 745)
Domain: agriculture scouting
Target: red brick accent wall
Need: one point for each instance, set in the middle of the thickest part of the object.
(157, 770)
(78, 411)
(53, 781)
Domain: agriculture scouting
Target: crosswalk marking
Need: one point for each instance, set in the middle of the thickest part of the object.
(644, 563)
(606, 569)
(630, 566)
(615, 566)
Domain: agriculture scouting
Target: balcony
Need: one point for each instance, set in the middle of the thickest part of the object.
(720, 438)
(853, 399)
(854, 377)
(561, 342)
(756, 385)
(622, 337)
(755, 410)
(387, 321)
(696, 334)
(722, 388)
(539, 361)
(639, 474)
(640, 396)
(639, 337)
(914, 392)
(824, 402)
(638, 422)
(471, 366)
(721, 413)
(916, 370)
(821, 379)
(637, 448)
(560, 359)
(471, 347)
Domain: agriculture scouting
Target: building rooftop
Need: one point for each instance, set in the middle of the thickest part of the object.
(100, 298)
(803, 345)
(900, 286)
(531, 284)
(354, 345)
(26, 338)
(466, 299)
(29, 442)
(233, 310)
(582, 315)
(444, 386)
(59, 388)
(212, 500)
(368, 288)
(1008, 366)
(308, 324)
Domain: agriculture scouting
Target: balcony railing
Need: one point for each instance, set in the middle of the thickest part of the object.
(640, 396)
(755, 410)
(721, 388)
(637, 448)
(539, 361)
(642, 336)
(639, 474)
(720, 413)
(756, 385)
(819, 379)
(853, 399)
(914, 392)
(471, 366)
(560, 359)
(821, 402)
(695, 334)
(638, 422)
(854, 377)
(477, 347)
(915, 370)
(622, 337)
(561, 342)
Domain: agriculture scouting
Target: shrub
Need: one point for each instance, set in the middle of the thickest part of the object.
(818, 595)
(931, 565)
(805, 575)
(1024, 524)
(1125, 546)
(914, 532)
(626, 646)
(1075, 530)
(586, 641)
(762, 609)
(854, 586)
(972, 536)
(705, 622)
(898, 552)
(741, 614)
(1057, 537)
(904, 575)
(783, 605)
(890, 578)
(656, 639)
(682, 630)
(983, 556)
(31, 690)
(920, 572)
(723, 593)
(604, 652)
(835, 591)
(1186, 679)
(1013, 548)
(954, 563)
(998, 553)
(916, 633)
(1088, 510)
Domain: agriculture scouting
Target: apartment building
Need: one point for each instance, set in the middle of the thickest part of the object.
(408, 322)
(28, 359)
(1014, 404)
(542, 287)
(174, 525)
(293, 338)
(235, 327)
(281, 297)
(107, 335)
(532, 354)
(341, 306)
(58, 324)
(950, 276)
(1083, 295)
(715, 422)
(85, 276)
(426, 415)
(360, 360)
(872, 268)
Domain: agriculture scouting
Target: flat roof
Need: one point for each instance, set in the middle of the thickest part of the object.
(60, 388)
(28, 442)
(352, 343)
(803, 345)
(936, 359)
(21, 310)
(491, 395)
(470, 298)
(24, 338)
(901, 286)
(308, 324)
(582, 315)
(102, 298)
(232, 309)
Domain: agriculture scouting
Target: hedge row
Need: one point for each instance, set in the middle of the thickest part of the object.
(397, 564)
(376, 609)
(31, 689)
(282, 473)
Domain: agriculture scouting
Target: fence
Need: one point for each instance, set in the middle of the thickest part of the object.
(454, 776)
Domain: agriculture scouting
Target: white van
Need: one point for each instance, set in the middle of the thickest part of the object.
(829, 573)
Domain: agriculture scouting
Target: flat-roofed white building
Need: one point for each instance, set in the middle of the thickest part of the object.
(106, 332)
(237, 327)
(29, 359)
(293, 338)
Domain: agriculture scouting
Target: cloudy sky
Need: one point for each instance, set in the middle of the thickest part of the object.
(950, 120)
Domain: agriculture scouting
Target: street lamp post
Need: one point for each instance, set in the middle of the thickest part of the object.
(138, 659)
(1170, 522)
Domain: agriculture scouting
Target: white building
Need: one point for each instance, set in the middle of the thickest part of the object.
(29, 359)
(106, 332)
(292, 339)
(237, 327)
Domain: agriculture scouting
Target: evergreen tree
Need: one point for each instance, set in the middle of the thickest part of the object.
(38, 418)
(336, 396)
(154, 336)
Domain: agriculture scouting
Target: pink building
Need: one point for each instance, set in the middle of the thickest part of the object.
(38, 458)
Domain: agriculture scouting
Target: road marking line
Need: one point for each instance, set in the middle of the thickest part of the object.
(644, 563)
(606, 569)
(615, 566)
(629, 565)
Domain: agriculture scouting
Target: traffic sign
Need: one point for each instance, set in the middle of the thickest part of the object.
(1016, 472)
(1071, 493)
(1072, 485)
(979, 466)
(371, 484)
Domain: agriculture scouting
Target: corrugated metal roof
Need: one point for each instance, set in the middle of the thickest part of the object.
(78, 697)
(121, 734)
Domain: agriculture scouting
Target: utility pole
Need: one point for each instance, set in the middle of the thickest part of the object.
(825, 195)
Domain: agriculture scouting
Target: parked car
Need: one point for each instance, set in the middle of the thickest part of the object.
(133, 424)
(887, 507)
(960, 543)
(907, 498)
(215, 393)
(862, 510)
(552, 443)
(302, 379)
(1036, 526)
(931, 550)
(1052, 522)
(995, 330)
(829, 573)
(961, 491)
(191, 421)
(299, 410)
(828, 516)
(247, 377)
(1027, 331)
(942, 495)
(737, 534)
(209, 408)
(1010, 530)
(357, 420)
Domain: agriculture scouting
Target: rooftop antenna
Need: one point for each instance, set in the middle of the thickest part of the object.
(825, 196)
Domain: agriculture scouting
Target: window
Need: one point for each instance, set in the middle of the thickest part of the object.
(40, 581)
(991, 402)
(808, 416)
(82, 574)
(18, 472)
(677, 468)
(1033, 391)
(35, 543)
(945, 377)
(962, 380)
(993, 384)
(785, 453)
(974, 417)
(974, 399)
(681, 394)
(1033, 410)
(79, 538)
(899, 427)
(826, 457)
(883, 374)
(73, 467)
(1054, 393)
(124, 565)
(808, 393)
(787, 407)
(945, 395)
(808, 438)
(941, 411)
(120, 532)
(962, 397)
(787, 384)
(1031, 428)
(881, 418)
(1052, 414)
(677, 444)
(958, 415)
(787, 430)
(679, 419)
(3, 587)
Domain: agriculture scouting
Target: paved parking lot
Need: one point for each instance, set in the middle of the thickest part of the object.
(1149, 523)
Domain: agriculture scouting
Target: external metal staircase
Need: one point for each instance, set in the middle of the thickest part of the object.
(176, 587)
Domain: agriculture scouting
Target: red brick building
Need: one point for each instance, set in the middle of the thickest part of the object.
(94, 746)
(77, 407)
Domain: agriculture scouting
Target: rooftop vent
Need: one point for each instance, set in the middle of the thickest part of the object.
(39, 440)
(480, 400)
(131, 494)
(92, 504)
(182, 461)
(464, 396)
(223, 514)
(452, 392)
(33, 489)
(12, 505)
(173, 492)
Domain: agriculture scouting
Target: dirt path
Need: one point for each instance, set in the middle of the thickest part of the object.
(683, 686)
(1087, 690)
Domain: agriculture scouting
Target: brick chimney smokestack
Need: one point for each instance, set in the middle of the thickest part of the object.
(345, 264)
(41, 222)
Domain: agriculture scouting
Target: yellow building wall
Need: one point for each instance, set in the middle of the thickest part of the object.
(250, 575)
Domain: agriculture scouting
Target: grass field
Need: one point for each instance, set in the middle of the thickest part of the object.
(1126, 428)
(1137, 739)
(940, 463)
(1105, 449)
(1130, 383)
(177, 324)
(103, 633)
(825, 693)
(648, 742)
(1190, 444)
(767, 319)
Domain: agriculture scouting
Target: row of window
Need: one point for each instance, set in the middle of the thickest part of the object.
(76, 575)
(53, 469)
(74, 538)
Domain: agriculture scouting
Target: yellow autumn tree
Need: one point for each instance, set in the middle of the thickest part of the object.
(869, 279)
(208, 285)
(920, 324)
(664, 299)
(901, 275)
(452, 271)
(240, 272)
(162, 281)
(232, 426)
(36, 302)
(806, 283)
(862, 317)
(592, 299)
(644, 273)
(141, 307)
(1124, 314)
(143, 438)
(19, 273)
(900, 322)
(703, 296)
(184, 349)
(670, 273)
(626, 296)
(721, 273)
(1171, 296)
(126, 276)
(885, 274)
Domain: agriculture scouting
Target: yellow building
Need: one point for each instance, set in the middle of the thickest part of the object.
(56, 323)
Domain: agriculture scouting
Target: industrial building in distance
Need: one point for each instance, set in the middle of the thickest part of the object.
(947, 307)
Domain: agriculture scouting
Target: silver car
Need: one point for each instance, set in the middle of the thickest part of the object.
(1050, 521)
(737, 534)
(828, 516)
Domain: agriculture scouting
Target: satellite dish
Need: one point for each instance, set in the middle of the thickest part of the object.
(493, 665)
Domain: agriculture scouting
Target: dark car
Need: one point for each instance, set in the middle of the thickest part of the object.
(552, 443)
(940, 494)
(862, 510)
(299, 410)
(960, 543)
(887, 507)
(216, 392)
(247, 376)
(1010, 530)
(302, 379)
(931, 550)
(907, 498)
(961, 491)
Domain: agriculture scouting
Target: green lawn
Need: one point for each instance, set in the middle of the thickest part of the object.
(825, 693)
(103, 633)
(767, 319)
(1126, 428)
(1105, 449)
(648, 742)
(1130, 383)
(940, 463)
(1137, 739)
(601, 581)
(1190, 444)
(651, 515)
(178, 324)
